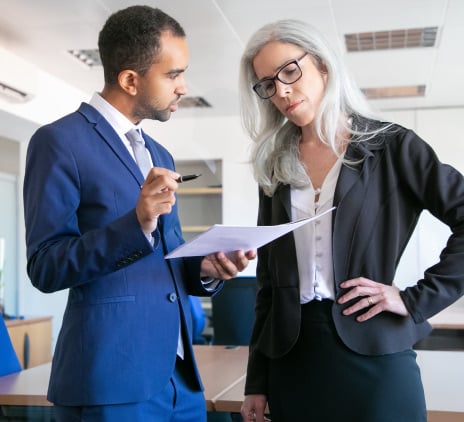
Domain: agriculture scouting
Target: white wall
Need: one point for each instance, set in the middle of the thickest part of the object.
(216, 138)
(9, 237)
(18, 121)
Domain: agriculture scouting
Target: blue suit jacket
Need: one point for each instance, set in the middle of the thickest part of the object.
(120, 329)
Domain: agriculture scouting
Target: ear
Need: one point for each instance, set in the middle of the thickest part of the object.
(128, 81)
(323, 68)
(320, 64)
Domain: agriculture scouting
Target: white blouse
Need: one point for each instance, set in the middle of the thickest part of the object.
(313, 241)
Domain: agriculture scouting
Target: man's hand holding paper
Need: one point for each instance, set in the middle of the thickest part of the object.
(224, 266)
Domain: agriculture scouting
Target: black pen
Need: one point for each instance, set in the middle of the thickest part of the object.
(187, 177)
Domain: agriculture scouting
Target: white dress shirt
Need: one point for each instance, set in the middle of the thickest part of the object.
(313, 241)
(120, 123)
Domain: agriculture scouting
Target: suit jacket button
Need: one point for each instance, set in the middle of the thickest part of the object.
(172, 297)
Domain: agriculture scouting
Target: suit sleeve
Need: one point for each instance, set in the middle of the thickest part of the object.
(60, 253)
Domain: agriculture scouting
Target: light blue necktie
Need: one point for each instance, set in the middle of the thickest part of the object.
(140, 152)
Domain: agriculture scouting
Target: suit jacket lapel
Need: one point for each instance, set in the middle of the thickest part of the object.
(108, 135)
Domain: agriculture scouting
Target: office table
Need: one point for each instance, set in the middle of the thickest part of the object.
(448, 330)
(220, 367)
(26, 388)
(451, 318)
(223, 373)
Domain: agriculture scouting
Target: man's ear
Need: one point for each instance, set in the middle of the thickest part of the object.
(127, 80)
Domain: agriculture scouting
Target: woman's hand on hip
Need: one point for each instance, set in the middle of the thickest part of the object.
(373, 296)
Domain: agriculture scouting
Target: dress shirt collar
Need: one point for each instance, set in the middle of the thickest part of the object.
(120, 123)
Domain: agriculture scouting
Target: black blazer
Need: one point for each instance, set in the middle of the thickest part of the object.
(378, 204)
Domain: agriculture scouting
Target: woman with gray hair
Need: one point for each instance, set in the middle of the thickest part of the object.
(333, 335)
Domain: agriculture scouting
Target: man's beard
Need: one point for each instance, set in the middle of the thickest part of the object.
(160, 115)
(145, 110)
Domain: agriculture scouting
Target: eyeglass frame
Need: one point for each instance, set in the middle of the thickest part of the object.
(276, 76)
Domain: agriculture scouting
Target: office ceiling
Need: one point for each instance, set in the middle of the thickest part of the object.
(43, 31)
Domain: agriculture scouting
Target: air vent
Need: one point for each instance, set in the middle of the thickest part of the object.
(18, 78)
(13, 94)
(394, 92)
(194, 102)
(387, 40)
(90, 58)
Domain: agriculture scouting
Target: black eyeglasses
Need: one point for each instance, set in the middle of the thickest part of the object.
(288, 74)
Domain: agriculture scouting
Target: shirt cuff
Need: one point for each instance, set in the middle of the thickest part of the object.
(210, 283)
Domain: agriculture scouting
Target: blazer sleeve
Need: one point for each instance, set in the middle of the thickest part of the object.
(439, 188)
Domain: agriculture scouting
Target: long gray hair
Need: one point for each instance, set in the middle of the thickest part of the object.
(275, 154)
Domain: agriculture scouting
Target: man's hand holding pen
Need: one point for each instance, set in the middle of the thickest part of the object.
(157, 196)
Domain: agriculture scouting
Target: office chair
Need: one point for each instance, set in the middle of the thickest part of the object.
(233, 316)
(233, 311)
(9, 362)
(198, 320)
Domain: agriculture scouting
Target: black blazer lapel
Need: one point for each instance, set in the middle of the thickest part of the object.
(281, 205)
(351, 202)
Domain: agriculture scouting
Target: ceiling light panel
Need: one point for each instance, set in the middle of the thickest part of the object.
(388, 40)
(89, 57)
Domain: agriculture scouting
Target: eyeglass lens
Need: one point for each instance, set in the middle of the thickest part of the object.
(288, 74)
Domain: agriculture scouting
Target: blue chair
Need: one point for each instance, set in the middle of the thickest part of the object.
(9, 362)
(233, 317)
(198, 320)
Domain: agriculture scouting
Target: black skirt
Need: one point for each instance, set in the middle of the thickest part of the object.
(321, 380)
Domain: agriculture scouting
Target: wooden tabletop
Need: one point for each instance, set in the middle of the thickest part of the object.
(223, 373)
(26, 388)
(220, 368)
(450, 318)
(231, 400)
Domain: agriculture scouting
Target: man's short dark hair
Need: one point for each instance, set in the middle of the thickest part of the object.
(130, 39)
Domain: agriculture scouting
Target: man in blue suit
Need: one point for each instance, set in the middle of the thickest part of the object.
(96, 226)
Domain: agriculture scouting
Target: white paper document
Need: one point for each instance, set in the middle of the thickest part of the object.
(221, 238)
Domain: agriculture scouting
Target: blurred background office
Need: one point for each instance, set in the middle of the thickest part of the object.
(407, 56)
